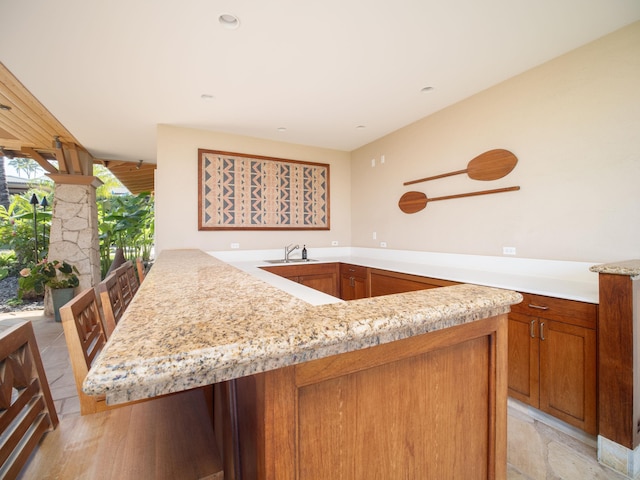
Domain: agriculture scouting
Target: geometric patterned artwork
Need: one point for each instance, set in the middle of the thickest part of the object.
(248, 192)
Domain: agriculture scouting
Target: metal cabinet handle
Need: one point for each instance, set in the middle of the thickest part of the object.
(352, 281)
(539, 307)
(532, 329)
(542, 331)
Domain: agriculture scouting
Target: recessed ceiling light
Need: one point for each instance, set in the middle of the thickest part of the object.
(282, 129)
(361, 127)
(229, 21)
(426, 89)
(207, 96)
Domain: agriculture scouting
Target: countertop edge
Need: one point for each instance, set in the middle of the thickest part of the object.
(316, 332)
(629, 267)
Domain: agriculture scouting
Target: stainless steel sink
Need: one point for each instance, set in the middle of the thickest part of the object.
(292, 260)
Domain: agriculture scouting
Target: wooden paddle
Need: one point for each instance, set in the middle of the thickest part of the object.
(412, 202)
(490, 165)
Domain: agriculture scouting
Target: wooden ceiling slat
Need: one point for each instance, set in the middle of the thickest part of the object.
(32, 108)
(7, 135)
(22, 124)
(30, 128)
(17, 130)
(137, 180)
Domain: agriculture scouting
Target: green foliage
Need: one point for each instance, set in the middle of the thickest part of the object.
(17, 230)
(109, 182)
(53, 274)
(126, 222)
(8, 264)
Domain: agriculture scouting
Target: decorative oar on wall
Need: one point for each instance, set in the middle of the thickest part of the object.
(412, 202)
(490, 165)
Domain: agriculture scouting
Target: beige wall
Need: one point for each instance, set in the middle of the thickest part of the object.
(177, 192)
(573, 123)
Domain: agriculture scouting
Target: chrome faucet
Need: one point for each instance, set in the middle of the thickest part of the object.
(287, 251)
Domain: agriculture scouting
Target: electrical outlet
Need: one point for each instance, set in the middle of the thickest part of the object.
(381, 158)
(373, 162)
(334, 243)
(235, 245)
(375, 235)
(383, 244)
(508, 250)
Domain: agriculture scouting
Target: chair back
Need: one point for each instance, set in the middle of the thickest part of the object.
(85, 337)
(26, 407)
(122, 274)
(112, 303)
(134, 284)
(141, 270)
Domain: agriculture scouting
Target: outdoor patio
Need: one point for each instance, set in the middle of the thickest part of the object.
(55, 358)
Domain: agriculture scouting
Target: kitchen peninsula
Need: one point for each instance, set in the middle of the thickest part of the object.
(402, 386)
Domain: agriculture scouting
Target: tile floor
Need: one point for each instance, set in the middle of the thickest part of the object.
(539, 447)
(55, 357)
(542, 447)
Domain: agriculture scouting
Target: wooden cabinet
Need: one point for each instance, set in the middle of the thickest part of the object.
(552, 358)
(320, 276)
(430, 406)
(618, 358)
(353, 282)
(385, 282)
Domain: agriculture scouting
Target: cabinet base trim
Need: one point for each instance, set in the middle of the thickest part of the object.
(518, 408)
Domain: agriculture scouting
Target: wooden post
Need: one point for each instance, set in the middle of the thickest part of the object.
(619, 364)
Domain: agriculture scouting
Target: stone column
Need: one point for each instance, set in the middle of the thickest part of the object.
(74, 229)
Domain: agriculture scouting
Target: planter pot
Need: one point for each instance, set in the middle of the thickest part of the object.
(60, 296)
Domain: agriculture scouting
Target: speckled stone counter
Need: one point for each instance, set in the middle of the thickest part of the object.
(197, 320)
(628, 267)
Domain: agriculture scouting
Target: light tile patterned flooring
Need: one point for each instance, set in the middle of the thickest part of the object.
(535, 450)
(55, 357)
(541, 447)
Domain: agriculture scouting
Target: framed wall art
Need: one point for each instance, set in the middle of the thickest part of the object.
(237, 191)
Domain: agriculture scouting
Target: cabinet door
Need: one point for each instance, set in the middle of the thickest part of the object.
(352, 287)
(347, 290)
(353, 281)
(568, 373)
(523, 358)
(360, 287)
(325, 282)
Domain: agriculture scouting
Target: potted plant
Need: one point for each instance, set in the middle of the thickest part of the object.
(60, 277)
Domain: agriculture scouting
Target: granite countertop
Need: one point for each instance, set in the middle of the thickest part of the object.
(197, 320)
(629, 267)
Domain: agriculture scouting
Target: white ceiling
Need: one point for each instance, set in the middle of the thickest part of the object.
(110, 71)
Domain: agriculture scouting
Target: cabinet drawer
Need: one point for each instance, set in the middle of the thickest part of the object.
(567, 311)
(353, 270)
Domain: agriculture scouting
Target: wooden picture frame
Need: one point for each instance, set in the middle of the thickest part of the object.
(238, 191)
